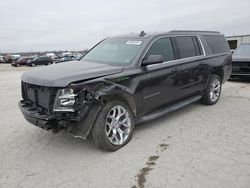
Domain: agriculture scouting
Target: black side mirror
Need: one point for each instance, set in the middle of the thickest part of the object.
(153, 59)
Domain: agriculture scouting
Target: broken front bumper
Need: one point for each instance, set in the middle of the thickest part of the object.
(78, 125)
(37, 118)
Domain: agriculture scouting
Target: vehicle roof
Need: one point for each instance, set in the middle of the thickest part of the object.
(145, 35)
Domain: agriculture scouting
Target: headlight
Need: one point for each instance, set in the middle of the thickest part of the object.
(65, 100)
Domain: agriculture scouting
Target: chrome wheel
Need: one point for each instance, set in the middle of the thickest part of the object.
(118, 125)
(215, 90)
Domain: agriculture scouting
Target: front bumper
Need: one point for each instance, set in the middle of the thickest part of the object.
(79, 126)
(35, 117)
(241, 69)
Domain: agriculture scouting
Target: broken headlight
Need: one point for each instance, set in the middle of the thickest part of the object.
(65, 100)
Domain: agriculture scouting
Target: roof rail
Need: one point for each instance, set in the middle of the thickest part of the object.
(190, 31)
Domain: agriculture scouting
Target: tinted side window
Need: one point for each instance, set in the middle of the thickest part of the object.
(217, 44)
(187, 46)
(162, 47)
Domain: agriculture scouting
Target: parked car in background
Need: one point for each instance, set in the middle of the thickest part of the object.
(68, 58)
(10, 58)
(15, 56)
(1, 59)
(241, 61)
(124, 81)
(42, 60)
(21, 61)
(52, 56)
(79, 56)
(56, 59)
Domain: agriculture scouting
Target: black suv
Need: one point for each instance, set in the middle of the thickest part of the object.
(241, 61)
(126, 80)
(21, 61)
(43, 60)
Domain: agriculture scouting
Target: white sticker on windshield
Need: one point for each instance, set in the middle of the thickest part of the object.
(138, 42)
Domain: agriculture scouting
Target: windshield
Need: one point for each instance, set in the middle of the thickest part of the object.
(243, 50)
(118, 52)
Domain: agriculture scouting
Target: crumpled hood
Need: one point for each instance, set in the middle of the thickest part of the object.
(61, 75)
(241, 58)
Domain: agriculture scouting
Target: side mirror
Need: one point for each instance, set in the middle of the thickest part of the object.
(153, 59)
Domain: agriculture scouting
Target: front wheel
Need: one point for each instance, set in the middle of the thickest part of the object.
(114, 126)
(213, 91)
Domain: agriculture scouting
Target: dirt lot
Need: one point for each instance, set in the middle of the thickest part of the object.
(198, 146)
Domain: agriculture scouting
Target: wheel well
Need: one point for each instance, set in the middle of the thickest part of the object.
(219, 72)
(121, 97)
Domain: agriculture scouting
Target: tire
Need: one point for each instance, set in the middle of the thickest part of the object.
(17, 65)
(107, 130)
(213, 90)
(33, 65)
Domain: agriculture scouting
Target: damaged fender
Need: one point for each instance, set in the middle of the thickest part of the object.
(100, 93)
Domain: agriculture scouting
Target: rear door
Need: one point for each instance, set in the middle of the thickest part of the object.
(192, 70)
(159, 80)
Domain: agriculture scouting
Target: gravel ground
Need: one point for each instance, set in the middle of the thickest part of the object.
(197, 146)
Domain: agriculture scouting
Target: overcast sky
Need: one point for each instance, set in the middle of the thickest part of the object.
(38, 25)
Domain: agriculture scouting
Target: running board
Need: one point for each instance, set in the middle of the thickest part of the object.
(168, 109)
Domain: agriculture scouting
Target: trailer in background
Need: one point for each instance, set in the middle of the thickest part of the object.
(235, 41)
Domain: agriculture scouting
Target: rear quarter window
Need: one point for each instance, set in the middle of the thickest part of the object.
(217, 44)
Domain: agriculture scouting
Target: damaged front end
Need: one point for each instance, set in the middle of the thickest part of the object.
(72, 108)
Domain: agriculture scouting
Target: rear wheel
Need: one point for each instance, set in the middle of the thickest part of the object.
(18, 65)
(33, 64)
(213, 91)
(114, 126)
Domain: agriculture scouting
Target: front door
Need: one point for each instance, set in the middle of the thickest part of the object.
(159, 80)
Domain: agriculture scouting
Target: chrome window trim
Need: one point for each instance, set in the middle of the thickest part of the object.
(183, 60)
(202, 46)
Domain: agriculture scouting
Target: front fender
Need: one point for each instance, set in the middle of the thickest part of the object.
(82, 128)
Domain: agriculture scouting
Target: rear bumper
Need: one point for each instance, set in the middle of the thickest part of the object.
(37, 118)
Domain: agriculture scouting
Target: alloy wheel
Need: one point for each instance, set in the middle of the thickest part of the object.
(215, 90)
(118, 125)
